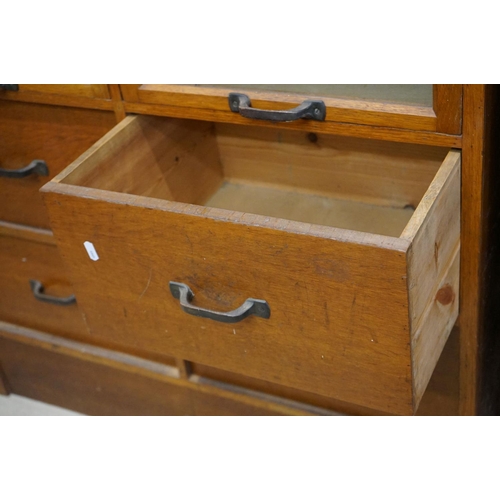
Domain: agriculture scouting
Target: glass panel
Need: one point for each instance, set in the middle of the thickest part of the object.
(421, 95)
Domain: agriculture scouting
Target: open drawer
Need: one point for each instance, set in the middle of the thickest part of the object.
(350, 249)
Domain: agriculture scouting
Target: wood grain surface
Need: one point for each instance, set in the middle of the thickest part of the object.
(96, 381)
(22, 261)
(433, 269)
(54, 134)
(443, 115)
(394, 115)
(474, 223)
(227, 256)
(27, 233)
(308, 343)
(102, 382)
(91, 96)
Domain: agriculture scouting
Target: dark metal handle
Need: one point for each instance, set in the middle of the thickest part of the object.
(311, 110)
(35, 167)
(38, 292)
(9, 86)
(251, 307)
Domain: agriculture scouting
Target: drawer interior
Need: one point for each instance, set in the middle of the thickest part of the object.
(363, 185)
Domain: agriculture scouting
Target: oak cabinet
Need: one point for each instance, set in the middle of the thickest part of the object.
(245, 263)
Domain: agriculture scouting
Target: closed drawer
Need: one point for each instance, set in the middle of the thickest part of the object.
(54, 135)
(29, 91)
(352, 245)
(23, 261)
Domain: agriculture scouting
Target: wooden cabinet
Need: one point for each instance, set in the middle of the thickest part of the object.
(359, 314)
(319, 262)
(37, 141)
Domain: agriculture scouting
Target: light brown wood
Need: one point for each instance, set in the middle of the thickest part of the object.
(448, 108)
(22, 260)
(130, 92)
(338, 110)
(300, 346)
(333, 128)
(310, 208)
(370, 171)
(431, 334)
(116, 97)
(443, 116)
(54, 134)
(440, 398)
(178, 160)
(433, 270)
(27, 233)
(353, 345)
(103, 382)
(97, 381)
(77, 95)
(92, 91)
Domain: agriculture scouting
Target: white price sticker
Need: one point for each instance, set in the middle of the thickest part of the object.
(91, 251)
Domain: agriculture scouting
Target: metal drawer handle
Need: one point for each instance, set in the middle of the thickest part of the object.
(38, 292)
(312, 110)
(9, 86)
(251, 307)
(35, 167)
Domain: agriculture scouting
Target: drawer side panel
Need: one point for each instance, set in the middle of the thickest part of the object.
(434, 270)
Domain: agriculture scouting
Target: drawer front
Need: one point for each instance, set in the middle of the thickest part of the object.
(55, 135)
(328, 316)
(89, 91)
(353, 316)
(431, 108)
(23, 261)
